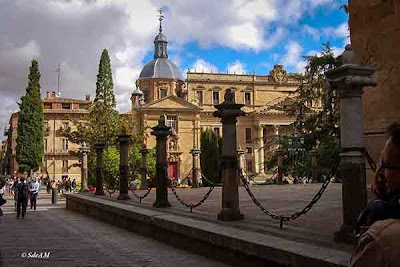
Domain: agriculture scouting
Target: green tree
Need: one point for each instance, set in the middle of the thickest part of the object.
(111, 167)
(319, 127)
(104, 84)
(30, 147)
(210, 157)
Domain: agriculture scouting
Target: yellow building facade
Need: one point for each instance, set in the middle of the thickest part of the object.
(58, 160)
(188, 106)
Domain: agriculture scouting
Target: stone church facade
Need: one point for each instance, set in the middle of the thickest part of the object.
(188, 106)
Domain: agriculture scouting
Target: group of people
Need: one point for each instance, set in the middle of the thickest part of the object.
(23, 189)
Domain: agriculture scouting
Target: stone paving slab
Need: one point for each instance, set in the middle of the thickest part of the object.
(77, 240)
(311, 235)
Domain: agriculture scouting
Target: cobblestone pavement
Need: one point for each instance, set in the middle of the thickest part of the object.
(316, 227)
(77, 240)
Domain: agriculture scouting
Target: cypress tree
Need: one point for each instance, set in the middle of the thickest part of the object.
(104, 84)
(30, 146)
(210, 156)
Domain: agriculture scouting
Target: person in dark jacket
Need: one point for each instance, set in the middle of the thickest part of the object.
(22, 197)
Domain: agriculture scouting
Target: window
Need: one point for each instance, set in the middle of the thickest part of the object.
(146, 95)
(45, 144)
(215, 98)
(216, 130)
(47, 106)
(248, 135)
(247, 99)
(172, 122)
(264, 132)
(200, 97)
(64, 144)
(249, 165)
(66, 106)
(65, 166)
(82, 106)
(163, 93)
(65, 126)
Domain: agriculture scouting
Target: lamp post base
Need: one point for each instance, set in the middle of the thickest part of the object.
(161, 204)
(123, 197)
(230, 215)
(346, 234)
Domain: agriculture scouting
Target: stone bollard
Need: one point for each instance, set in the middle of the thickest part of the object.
(349, 79)
(84, 179)
(279, 154)
(53, 196)
(100, 168)
(228, 111)
(161, 132)
(314, 166)
(123, 139)
(144, 151)
(195, 174)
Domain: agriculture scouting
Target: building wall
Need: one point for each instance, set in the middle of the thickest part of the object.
(55, 153)
(375, 35)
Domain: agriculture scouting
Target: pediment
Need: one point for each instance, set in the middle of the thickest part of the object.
(171, 102)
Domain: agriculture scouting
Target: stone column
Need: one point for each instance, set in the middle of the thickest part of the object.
(161, 132)
(349, 80)
(314, 166)
(100, 168)
(228, 111)
(195, 172)
(279, 154)
(84, 178)
(260, 139)
(123, 139)
(144, 151)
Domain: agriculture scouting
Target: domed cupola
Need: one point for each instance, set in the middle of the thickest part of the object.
(161, 66)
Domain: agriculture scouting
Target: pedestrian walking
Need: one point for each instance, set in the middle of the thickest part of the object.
(68, 185)
(22, 197)
(73, 184)
(2, 191)
(34, 191)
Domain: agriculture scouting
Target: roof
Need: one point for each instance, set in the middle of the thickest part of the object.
(161, 68)
(171, 102)
(65, 100)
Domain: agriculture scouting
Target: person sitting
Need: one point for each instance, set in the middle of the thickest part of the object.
(379, 245)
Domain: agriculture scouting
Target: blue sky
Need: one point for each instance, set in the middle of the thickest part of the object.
(210, 35)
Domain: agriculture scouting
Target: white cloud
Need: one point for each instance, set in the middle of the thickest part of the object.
(339, 32)
(203, 66)
(293, 58)
(236, 67)
(312, 31)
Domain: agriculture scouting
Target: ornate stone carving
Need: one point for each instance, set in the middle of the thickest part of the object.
(278, 75)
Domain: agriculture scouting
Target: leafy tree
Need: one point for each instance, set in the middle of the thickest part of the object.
(210, 157)
(319, 127)
(104, 84)
(30, 147)
(111, 167)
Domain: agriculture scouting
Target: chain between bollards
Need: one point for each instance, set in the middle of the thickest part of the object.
(191, 206)
(296, 215)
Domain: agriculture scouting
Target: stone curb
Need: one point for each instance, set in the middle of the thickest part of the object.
(223, 242)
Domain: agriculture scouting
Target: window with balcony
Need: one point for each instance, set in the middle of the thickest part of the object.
(172, 122)
(45, 144)
(200, 97)
(66, 106)
(64, 144)
(248, 135)
(247, 98)
(47, 106)
(215, 98)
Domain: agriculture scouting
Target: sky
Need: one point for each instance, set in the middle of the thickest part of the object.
(235, 36)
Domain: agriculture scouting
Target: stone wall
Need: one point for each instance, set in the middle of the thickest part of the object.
(375, 36)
